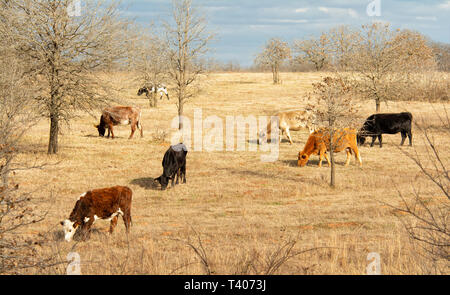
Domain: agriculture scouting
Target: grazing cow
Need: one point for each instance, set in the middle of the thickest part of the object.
(379, 124)
(290, 120)
(105, 203)
(174, 163)
(120, 115)
(160, 89)
(319, 142)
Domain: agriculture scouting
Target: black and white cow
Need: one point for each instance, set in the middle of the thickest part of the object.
(392, 123)
(160, 89)
(174, 163)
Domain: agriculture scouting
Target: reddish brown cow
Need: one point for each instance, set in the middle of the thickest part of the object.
(105, 203)
(319, 142)
(119, 115)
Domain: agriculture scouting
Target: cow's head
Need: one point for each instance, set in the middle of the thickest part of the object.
(163, 181)
(302, 159)
(69, 228)
(101, 129)
(360, 138)
(142, 91)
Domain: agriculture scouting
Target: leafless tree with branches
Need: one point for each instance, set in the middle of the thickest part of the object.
(275, 52)
(187, 41)
(66, 54)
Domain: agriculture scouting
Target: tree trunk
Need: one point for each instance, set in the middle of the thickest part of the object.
(155, 100)
(180, 113)
(378, 104)
(333, 170)
(54, 131)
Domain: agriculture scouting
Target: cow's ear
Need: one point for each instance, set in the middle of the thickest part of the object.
(95, 126)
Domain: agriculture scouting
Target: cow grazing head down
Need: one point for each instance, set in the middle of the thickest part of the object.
(101, 127)
(360, 138)
(142, 91)
(174, 165)
(303, 159)
(107, 203)
(69, 228)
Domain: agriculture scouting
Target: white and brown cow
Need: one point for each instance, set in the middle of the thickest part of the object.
(120, 115)
(107, 203)
(290, 120)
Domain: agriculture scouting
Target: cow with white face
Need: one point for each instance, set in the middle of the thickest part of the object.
(106, 203)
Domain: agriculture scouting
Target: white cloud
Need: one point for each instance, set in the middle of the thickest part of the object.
(352, 13)
(432, 18)
(445, 5)
(339, 11)
(301, 10)
(296, 21)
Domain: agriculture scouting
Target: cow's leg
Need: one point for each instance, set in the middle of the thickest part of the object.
(183, 171)
(173, 179)
(373, 141)
(178, 176)
(112, 131)
(349, 154)
(321, 155)
(133, 129)
(86, 228)
(140, 128)
(328, 159)
(127, 220)
(357, 155)
(410, 137)
(289, 135)
(403, 137)
(113, 224)
(380, 139)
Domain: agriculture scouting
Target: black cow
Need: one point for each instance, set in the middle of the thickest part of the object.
(379, 124)
(174, 163)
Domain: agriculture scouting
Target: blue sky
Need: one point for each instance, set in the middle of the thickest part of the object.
(243, 26)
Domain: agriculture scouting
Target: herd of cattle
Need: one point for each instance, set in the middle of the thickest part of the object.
(109, 203)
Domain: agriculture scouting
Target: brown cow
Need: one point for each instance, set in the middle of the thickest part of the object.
(319, 141)
(291, 120)
(105, 203)
(119, 115)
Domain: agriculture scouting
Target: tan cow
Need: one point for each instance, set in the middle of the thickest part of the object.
(119, 115)
(319, 142)
(290, 120)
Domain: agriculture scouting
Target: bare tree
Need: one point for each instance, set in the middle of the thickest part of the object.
(335, 114)
(427, 225)
(314, 51)
(187, 42)
(274, 54)
(66, 54)
(17, 115)
(151, 62)
(442, 55)
(382, 55)
(341, 47)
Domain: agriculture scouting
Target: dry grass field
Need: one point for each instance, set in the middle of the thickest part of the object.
(242, 215)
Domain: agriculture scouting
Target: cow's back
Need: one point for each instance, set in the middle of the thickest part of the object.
(392, 123)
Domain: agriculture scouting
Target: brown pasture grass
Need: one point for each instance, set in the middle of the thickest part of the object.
(239, 212)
